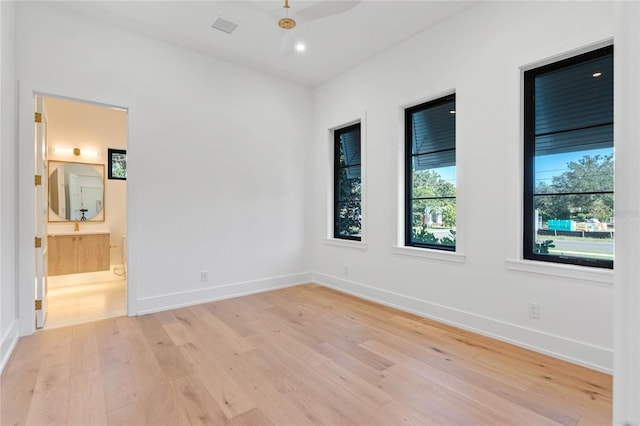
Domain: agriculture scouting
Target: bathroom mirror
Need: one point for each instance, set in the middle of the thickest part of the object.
(76, 191)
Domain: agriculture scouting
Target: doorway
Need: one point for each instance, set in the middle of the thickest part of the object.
(86, 211)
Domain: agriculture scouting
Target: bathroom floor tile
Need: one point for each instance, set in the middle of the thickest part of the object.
(84, 303)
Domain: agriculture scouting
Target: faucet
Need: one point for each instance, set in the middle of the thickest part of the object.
(77, 227)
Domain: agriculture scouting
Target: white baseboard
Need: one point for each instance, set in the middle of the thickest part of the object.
(8, 343)
(580, 353)
(211, 294)
(58, 281)
(584, 354)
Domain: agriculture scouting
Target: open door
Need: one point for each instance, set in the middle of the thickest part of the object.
(41, 214)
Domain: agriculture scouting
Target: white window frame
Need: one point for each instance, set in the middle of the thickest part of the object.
(514, 179)
(398, 245)
(329, 238)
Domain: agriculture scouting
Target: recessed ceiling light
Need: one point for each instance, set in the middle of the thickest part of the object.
(453, 111)
(300, 47)
(596, 74)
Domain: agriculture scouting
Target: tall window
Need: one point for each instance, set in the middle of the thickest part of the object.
(430, 181)
(347, 198)
(568, 161)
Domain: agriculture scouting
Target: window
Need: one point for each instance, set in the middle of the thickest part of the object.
(117, 167)
(568, 161)
(430, 174)
(347, 190)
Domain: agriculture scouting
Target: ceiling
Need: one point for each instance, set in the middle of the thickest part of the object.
(334, 43)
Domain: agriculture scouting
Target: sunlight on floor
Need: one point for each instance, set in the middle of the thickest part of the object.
(88, 302)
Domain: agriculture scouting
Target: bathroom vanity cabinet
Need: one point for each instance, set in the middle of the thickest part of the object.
(72, 254)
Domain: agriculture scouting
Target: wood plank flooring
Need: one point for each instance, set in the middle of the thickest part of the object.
(305, 355)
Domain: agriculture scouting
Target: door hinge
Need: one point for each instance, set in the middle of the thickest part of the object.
(38, 117)
(38, 180)
(38, 305)
(38, 242)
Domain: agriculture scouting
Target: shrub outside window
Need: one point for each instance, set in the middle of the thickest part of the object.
(347, 198)
(430, 174)
(568, 161)
(117, 163)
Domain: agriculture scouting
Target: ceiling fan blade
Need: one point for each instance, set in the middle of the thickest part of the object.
(325, 8)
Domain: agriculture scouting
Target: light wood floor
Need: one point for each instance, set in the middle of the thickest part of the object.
(77, 304)
(299, 356)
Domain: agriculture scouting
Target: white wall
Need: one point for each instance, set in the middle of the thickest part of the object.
(216, 156)
(8, 167)
(626, 390)
(187, 135)
(486, 288)
(91, 128)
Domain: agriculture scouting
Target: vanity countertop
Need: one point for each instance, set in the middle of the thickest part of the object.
(81, 232)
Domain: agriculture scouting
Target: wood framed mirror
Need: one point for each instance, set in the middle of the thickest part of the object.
(76, 192)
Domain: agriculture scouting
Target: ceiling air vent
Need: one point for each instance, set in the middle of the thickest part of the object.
(224, 25)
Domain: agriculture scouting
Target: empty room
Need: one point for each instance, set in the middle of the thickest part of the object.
(359, 212)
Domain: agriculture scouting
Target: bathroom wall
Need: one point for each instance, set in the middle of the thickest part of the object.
(95, 128)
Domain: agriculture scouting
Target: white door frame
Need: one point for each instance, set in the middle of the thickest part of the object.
(41, 203)
(25, 253)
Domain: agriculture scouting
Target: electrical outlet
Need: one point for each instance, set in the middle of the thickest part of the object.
(346, 269)
(204, 276)
(534, 310)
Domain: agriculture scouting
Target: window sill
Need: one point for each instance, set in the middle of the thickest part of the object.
(346, 243)
(582, 273)
(447, 256)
